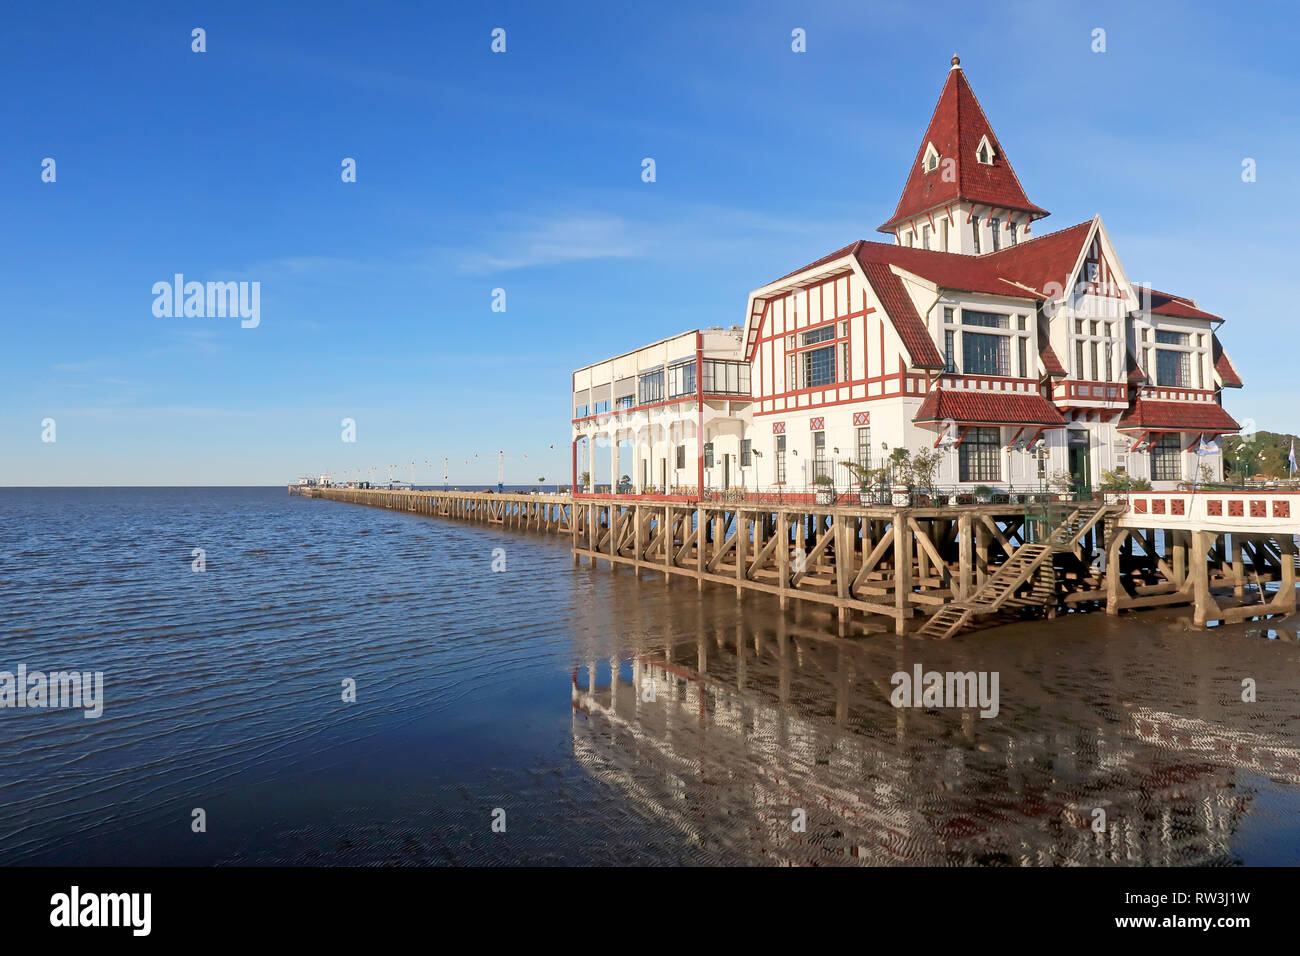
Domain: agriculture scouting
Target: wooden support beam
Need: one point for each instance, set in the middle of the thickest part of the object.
(928, 549)
(965, 556)
(902, 574)
(885, 544)
(1114, 572)
(783, 554)
(1205, 609)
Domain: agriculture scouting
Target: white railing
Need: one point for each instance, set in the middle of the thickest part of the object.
(1262, 510)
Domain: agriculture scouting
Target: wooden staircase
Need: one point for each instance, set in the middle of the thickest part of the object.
(1081, 519)
(1030, 564)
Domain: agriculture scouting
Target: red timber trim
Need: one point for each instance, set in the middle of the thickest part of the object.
(1140, 440)
(573, 447)
(1105, 284)
(1195, 441)
(955, 377)
(952, 219)
(1034, 437)
(791, 396)
(699, 421)
(776, 336)
(943, 433)
(813, 406)
(961, 437)
(1176, 394)
(919, 391)
(1073, 388)
(755, 332)
(1019, 432)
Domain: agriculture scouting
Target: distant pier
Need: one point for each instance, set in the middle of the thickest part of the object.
(928, 571)
(541, 512)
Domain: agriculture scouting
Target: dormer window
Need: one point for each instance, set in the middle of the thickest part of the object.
(984, 152)
(931, 161)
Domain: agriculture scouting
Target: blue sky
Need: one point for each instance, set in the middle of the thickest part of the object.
(522, 171)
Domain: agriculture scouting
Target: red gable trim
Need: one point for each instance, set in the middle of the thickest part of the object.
(985, 408)
(902, 313)
(1223, 365)
(852, 247)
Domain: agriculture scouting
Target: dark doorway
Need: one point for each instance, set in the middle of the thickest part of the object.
(1080, 462)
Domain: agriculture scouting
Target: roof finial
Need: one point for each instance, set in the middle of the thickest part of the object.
(956, 62)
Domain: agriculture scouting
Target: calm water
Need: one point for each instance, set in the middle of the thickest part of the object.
(475, 692)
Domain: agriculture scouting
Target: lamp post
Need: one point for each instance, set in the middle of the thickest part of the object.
(1021, 446)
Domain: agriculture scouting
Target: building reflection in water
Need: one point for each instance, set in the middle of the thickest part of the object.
(724, 733)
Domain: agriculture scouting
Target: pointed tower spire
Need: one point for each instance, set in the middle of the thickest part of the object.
(960, 160)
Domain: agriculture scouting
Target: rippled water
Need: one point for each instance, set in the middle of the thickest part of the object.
(475, 692)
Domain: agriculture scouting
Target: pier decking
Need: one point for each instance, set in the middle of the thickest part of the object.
(546, 513)
(929, 571)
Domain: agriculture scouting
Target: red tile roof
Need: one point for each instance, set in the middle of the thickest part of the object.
(1223, 365)
(1207, 417)
(1165, 303)
(1034, 263)
(1043, 261)
(1050, 361)
(1020, 271)
(987, 408)
(902, 313)
(1135, 373)
(956, 128)
(1024, 270)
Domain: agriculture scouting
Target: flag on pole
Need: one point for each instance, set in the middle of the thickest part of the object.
(1290, 461)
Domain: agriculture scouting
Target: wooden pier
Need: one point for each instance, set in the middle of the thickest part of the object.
(927, 571)
(551, 514)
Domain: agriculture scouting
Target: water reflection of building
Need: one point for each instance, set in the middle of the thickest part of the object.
(744, 728)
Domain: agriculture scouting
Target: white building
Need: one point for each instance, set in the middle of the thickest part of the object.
(1019, 357)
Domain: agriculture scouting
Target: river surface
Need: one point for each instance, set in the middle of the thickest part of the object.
(546, 714)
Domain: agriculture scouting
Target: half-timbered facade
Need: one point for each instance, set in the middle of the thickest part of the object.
(1022, 359)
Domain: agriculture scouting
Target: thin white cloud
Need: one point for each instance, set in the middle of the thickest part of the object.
(571, 239)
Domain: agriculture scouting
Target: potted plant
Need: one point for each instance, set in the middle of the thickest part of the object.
(983, 494)
(1062, 484)
(584, 481)
(825, 492)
